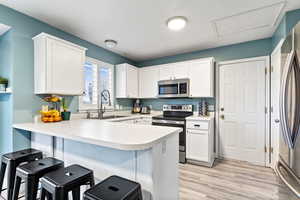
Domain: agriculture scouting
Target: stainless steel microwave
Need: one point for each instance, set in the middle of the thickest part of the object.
(174, 88)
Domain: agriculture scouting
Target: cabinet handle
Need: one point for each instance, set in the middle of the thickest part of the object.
(197, 125)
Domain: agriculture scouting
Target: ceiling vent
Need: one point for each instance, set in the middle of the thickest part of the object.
(266, 16)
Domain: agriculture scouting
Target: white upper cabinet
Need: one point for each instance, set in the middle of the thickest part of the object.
(180, 70)
(148, 78)
(58, 66)
(173, 71)
(165, 72)
(201, 75)
(127, 81)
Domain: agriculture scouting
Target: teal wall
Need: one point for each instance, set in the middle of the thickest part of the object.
(238, 51)
(24, 104)
(5, 99)
(289, 20)
(255, 48)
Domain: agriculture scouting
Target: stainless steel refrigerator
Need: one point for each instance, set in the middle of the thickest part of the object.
(288, 166)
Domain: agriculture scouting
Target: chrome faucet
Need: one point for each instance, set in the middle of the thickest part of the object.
(101, 108)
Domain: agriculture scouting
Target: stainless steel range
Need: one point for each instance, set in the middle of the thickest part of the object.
(174, 116)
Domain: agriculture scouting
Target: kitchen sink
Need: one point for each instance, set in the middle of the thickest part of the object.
(113, 117)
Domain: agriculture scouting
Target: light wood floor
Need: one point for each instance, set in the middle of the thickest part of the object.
(231, 180)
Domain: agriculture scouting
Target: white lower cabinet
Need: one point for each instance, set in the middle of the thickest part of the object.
(197, 145)
(200, 142)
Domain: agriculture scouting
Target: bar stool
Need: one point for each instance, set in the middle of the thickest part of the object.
(31, 173)
(114, 188)
(57, 184)
(12, 161)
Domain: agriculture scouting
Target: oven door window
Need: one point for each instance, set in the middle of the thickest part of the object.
(168, 89)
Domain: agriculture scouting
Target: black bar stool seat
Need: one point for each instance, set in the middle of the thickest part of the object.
(31, 173)
(58, 183)
(12, 161)
(114, 188)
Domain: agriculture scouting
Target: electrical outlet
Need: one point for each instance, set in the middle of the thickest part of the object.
(211, 108)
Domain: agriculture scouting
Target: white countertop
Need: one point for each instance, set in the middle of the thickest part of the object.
(104, 133)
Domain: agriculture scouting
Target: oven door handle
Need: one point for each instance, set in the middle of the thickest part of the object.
(165, 122)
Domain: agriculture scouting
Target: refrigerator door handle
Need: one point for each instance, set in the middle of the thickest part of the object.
(280, 165)
(282, 103)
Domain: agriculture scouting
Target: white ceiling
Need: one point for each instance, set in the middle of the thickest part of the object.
(139, 26)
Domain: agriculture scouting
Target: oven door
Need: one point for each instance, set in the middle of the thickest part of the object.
(182, 135)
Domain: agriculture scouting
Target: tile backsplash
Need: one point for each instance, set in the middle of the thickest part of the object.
(157, 104)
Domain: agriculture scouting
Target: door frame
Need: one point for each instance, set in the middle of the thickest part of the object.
(267, 103)
(275, 139)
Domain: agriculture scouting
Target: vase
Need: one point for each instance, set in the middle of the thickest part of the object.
(65, 115)
(2, 87)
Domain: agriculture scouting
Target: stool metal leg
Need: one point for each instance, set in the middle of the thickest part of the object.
(2, 174)
(76, 193)
(60, 195)
(16, 188)
(43, 194)
(92, 181)
(11, 180)
(31, 188)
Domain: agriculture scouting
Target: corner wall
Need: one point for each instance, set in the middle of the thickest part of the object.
(24, 103)
(5, 99)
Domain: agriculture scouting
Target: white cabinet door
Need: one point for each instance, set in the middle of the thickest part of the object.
(127, 81)
(180, 70)
(132, 82)
(121, 81)
(58, 66)
(201, 74)
(166, 72)
(66, 68)
(148, 79)
(197, 145)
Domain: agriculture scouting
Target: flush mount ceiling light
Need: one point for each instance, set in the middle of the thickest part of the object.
(176, 23)
(110, 43)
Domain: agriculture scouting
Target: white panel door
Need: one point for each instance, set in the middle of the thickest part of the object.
(132, 82)
(242, 104)
(148, 78)
(165, 72)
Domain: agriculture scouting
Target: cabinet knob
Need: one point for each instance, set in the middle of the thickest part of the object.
(222, 117)
(277, 120)
(222, 109)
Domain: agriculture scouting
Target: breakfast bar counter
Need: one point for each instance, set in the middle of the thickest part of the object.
(142, 153)
(104, 133)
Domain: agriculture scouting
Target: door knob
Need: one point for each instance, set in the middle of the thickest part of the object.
(222, 117)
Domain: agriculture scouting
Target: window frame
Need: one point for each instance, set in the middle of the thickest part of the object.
(99, 64)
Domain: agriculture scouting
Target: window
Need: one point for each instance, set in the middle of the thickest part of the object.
(98, 76)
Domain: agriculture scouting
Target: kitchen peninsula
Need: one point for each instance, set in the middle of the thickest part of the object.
(144, 153)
